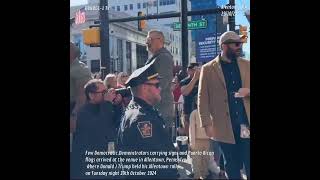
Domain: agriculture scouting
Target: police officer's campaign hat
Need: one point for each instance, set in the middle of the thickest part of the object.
(142, 75)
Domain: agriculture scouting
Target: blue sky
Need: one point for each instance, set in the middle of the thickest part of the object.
(241, 19)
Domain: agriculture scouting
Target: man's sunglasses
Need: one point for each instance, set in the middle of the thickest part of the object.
(157, 85)
(237, 44)
(152, 38)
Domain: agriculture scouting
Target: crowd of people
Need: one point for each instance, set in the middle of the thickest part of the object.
(148, 109)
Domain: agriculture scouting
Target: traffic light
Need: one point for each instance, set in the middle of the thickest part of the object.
(91, 36)
(141, 23)
(243, 33)
(243, 30)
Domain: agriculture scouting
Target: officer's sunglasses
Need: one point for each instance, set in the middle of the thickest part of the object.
(157, 85)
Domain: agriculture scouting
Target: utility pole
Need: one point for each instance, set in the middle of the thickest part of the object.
(231, 18)
(104, 38)
(157, 8)
(247, 14)
(216, 38)
(184, 36)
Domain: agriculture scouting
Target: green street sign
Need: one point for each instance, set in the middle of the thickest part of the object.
(192, 25)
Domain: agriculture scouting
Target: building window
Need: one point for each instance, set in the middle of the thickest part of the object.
(165, 2)
(128, 56)
(155, 3)
(113, 8)
(131, 6)
(176, 50)
(142, 55)
(95, 65)
(119, 61)
(144, 5)
(139, 5)
(118, 8)
(125, 7)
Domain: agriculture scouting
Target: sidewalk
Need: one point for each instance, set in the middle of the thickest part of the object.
(184, 169)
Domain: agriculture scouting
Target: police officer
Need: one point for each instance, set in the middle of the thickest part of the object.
(143, 129)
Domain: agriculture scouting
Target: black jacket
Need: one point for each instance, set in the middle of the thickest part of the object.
(142, 129)
(96, 127)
